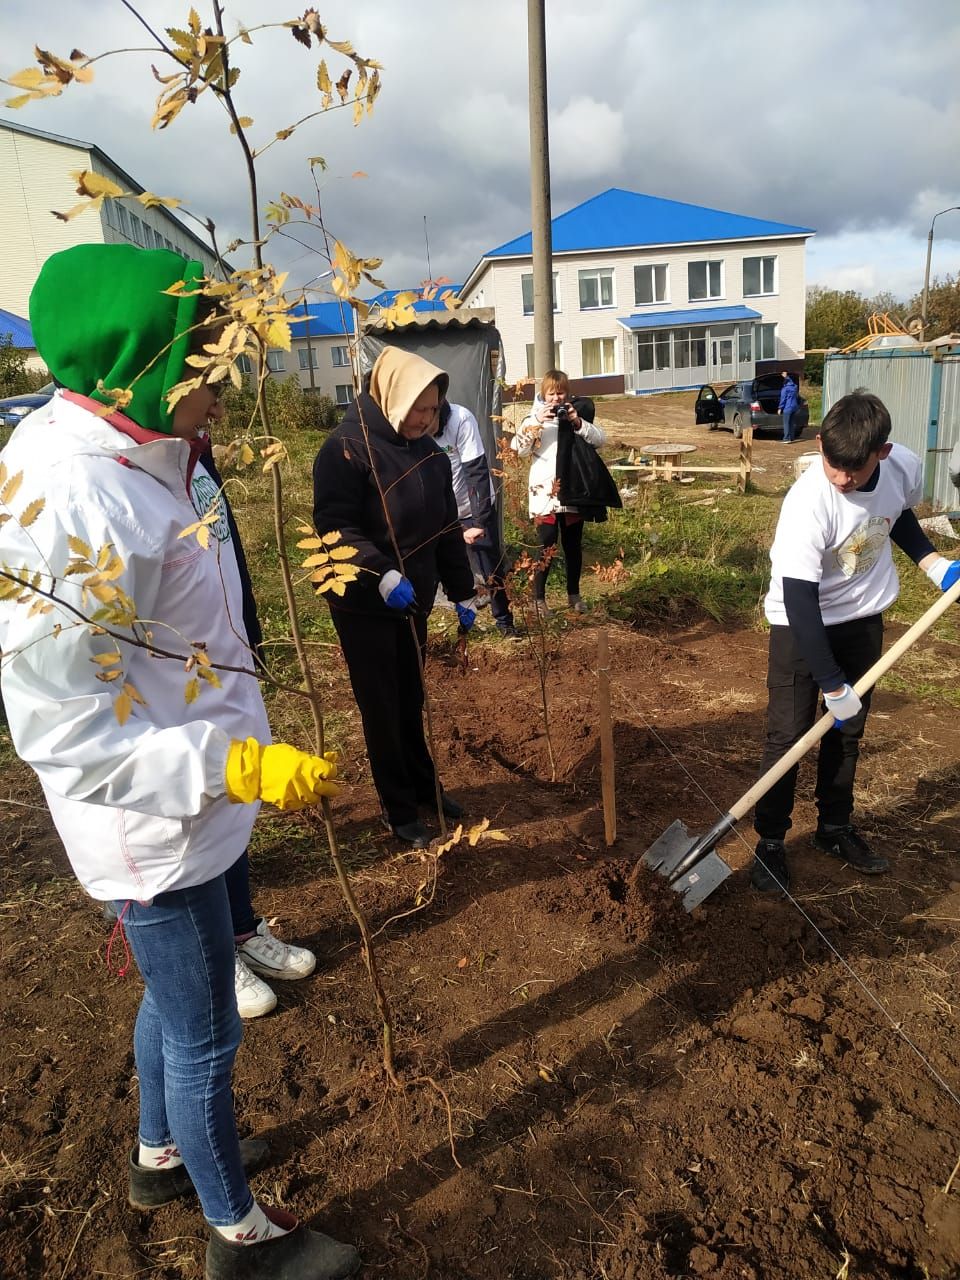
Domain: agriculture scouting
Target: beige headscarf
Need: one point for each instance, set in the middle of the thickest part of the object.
(396, 380)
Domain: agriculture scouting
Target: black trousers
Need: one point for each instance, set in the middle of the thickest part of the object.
(793, 695)
(571, 539)
(381, 657)
(488, 562)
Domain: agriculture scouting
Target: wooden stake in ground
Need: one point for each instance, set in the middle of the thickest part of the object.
(607, 766)
(746, 459)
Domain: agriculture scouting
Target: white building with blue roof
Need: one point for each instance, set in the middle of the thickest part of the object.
(653, 295)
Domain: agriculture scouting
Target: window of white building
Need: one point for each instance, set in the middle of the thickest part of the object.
(650, 284)
(526, 288)
(598, 356)
(704, 280)
(557, 357)
(764, 342)
(596, 288)
(275, 361)
(759, 277)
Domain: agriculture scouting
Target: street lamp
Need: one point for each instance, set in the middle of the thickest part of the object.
(926, 275)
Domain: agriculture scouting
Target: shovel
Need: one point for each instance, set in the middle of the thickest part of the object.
(688, 860)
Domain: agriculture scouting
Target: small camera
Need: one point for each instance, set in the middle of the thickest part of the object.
(562, 413)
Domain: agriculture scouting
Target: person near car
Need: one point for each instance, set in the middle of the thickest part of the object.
(153, 794)
(457, 433)
(832, 576)
(537, 438)
(789, 403)
(385, 486)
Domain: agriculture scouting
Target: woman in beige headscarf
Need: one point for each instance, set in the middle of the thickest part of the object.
(382, 482)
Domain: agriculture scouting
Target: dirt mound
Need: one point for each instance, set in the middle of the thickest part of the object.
(601, 1087)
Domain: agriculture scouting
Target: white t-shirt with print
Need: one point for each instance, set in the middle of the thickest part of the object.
(461, 441)
(842, 540)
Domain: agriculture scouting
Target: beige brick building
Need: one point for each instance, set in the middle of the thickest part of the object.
(652, 295)
(36, 168)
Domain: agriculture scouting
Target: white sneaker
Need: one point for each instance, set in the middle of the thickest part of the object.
(271, 958)
(254, 998)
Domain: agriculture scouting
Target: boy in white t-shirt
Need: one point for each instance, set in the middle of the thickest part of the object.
(832, 577)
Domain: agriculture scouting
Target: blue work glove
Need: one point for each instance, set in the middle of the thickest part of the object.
(396, 590)
(466, 614)
(843, 705)
(943, 573)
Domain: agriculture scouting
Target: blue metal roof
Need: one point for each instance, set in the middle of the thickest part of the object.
(20, 332)
(617, 219)
(327, 320)
(693, 315)
(389, 296)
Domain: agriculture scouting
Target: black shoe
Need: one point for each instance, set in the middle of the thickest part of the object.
(844, 843)
(414, 834)
(770, 873)
(450, 808)
(509, 632)
(301, 1254)
(150, 1188)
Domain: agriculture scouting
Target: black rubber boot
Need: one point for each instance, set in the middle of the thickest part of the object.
(300, 1255)
(414, 834)
(150, 1188)
(450, 807)
(844, 843)
(770, 873)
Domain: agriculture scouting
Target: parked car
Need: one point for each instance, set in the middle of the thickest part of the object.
(13, 408)
(752, 402)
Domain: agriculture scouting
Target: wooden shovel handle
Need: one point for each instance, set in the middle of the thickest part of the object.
(867, 681)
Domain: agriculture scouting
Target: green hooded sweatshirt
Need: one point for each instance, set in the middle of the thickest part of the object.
(98, 312)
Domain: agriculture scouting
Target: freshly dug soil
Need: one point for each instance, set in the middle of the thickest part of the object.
(598, 1085)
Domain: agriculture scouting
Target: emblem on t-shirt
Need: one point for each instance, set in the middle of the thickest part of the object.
(206, 495)
(860, 551)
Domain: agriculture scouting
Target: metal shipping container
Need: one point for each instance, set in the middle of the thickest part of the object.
(921, 388)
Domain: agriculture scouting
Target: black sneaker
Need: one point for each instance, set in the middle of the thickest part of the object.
(509, 632)
(850, 847)
(770, 873)
(150, 1188)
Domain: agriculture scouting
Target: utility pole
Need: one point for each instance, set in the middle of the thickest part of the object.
(306, 334)
(541, 233)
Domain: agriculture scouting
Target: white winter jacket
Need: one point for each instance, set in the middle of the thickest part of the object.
(141, 808)
(540, 443)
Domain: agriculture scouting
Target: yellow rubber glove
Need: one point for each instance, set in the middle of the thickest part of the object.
(279, 774)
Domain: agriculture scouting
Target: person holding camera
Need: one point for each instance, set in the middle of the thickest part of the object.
(545, 436)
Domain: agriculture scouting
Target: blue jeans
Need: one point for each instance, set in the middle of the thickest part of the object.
(186, 1038)
(788, 425)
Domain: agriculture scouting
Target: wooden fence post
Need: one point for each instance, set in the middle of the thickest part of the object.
(607, 764)
(746, 459)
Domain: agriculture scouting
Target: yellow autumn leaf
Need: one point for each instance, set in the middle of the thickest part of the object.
(243, 121)
(332, 538)
(246, 454)
(150, 201)
(211, 676)
(108, 676)
(192, 691)
(30, 513)
(278, 334)
(39, 606)
(122, 706)
(134, 694)
(79, 547)
(95, 184)
(29, 78)
(337, 587)
(106, 659)
(9, 490)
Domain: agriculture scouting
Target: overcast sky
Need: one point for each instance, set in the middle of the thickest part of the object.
(840, 115)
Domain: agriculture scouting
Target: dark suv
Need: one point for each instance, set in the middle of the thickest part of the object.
(753, 402)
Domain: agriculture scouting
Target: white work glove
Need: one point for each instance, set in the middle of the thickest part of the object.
(943, 573)
(843, 705)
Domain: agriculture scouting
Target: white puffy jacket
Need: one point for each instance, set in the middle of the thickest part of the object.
(540, 443)
(141, 808)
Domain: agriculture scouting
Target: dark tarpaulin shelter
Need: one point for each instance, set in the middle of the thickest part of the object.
(466, 345)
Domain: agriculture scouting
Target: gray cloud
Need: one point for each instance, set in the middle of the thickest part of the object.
(842, 117)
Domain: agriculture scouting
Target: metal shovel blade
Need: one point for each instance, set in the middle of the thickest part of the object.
(694, 883)
(701, 880)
